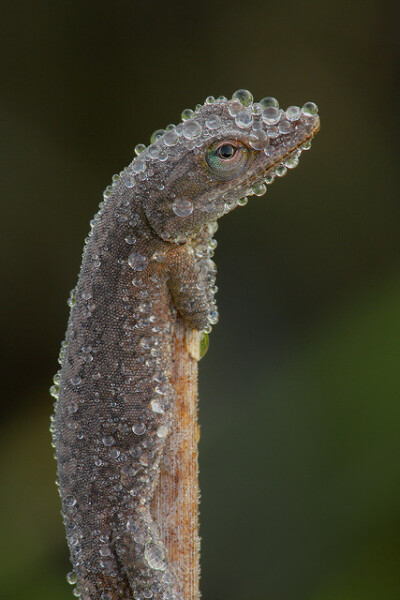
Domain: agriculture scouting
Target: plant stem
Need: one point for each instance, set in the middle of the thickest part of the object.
(175, 503)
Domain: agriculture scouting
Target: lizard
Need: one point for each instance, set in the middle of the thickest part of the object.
(147, 263)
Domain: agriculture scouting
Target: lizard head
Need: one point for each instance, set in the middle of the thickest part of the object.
(223, 152)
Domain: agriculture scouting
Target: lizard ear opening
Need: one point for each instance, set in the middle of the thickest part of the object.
(227, 159)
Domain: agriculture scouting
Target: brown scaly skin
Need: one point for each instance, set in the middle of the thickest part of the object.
(145, 266)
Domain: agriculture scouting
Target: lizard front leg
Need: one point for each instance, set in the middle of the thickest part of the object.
(189, 287)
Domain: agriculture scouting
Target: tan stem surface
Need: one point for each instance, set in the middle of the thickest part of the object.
(175, 503)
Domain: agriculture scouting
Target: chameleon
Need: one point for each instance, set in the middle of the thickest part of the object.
(147, 263)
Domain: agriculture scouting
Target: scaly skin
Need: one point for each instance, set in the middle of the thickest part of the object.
(146, 264)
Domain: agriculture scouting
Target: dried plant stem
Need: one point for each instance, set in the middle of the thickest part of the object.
(175, 503)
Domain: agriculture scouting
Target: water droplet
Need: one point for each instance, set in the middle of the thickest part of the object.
(259, 141)
(259, 189)
(155, 557)
(191, 130)
(182, 207)
(139, 428)
(156, 134)
(159, 256)
(285, 127)
(139, 537)
(55, 391)
(234, 108)
(163, 154)
(72, 298)
(137, 261)
(204, 344)
(291, 161)
(156, 407)
(256, 109)
(130, 239)
(281, 170)
(310, 109)
(293, 113)
(243, 201)
(114, 453)
(271, 115)
(139, 148)
(138, 166)
(213, 122)
(107, 192)
(130, 181)
(213, 317)
(269, 101)
(154, 152)
(244, 97)
(69, 501)
(209, 207)
(162, 389)
(86, 295)
(306, 145)
(144, 307)
(273, 131)
(108, 440)
(71, 578)
(270, 178)
(131, 526)
(244, 119)
(187, 114)
(75, 380)
(146, 458)
(146, 341)
(104, 551)
(171, 138)
(162, 431)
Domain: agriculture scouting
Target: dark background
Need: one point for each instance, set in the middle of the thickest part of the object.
(299, 393)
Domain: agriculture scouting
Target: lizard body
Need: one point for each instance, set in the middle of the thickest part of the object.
(146, 264)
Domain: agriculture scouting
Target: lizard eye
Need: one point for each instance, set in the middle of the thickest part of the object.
(226, 160)
(226, 151)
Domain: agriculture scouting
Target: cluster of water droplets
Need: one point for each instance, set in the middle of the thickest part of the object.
(276, 132)
(268, 128)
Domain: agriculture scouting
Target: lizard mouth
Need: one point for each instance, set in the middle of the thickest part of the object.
(282, 149)
(288, 160)
(279, 148)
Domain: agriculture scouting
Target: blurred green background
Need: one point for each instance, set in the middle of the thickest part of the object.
(299, 393)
